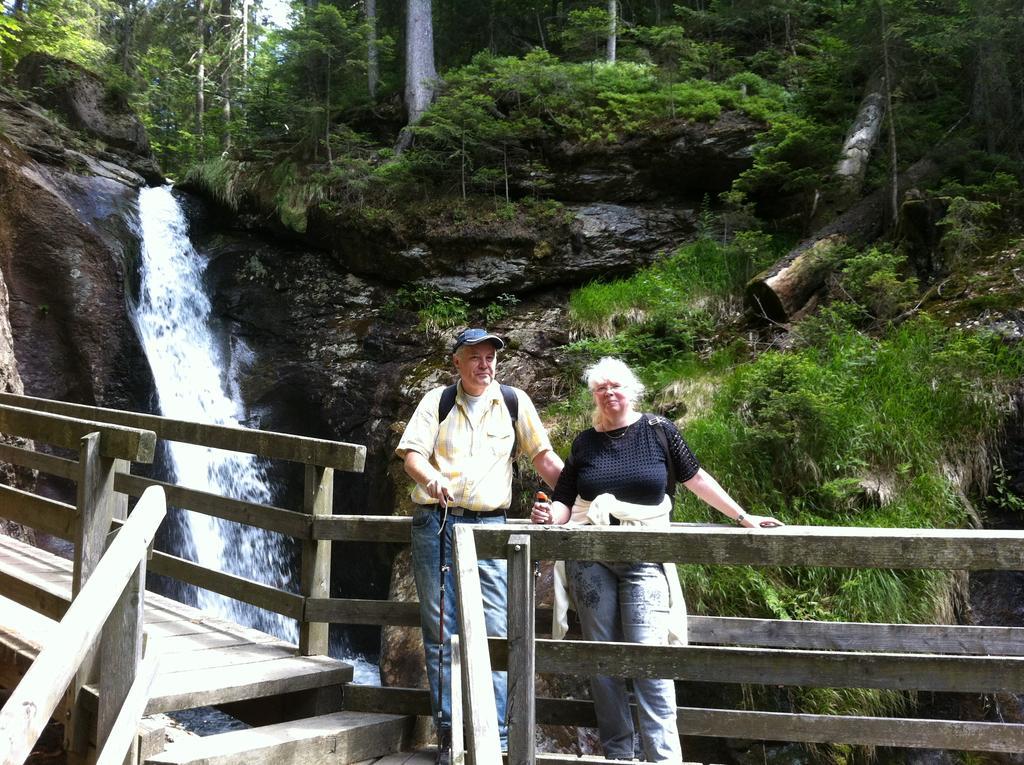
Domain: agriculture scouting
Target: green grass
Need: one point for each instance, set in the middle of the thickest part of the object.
(896, 429)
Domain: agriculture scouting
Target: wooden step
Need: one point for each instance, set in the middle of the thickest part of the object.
(335, 739)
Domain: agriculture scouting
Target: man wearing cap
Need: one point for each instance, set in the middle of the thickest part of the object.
(462, 465)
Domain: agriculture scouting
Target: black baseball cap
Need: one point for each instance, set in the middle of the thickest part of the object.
(477, 335)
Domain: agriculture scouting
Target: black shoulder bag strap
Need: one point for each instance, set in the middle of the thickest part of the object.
(657, 423)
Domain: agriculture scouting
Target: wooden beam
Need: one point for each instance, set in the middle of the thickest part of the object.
(358, 611)
(44, 463)
(809, 728)
(827, 546)
(120, 652)
(254, 593)
(123, 737)
(37, 695)
(267, 517)
(283, 446)
(816, 669)
(377, 698)
(363, 528)
(521, 712)
(482, 721)
(857, 636)
(48, 515)
(315, 579)
(128, 443)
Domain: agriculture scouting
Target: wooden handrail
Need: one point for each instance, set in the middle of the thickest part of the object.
(39, 691)
(265, 443)
(116, 441)
(820, 546)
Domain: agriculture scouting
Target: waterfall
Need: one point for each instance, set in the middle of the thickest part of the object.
(190, 370)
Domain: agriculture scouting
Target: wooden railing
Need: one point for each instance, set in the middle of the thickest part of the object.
(71, 658)
(945, 658)
(108, 606)
(320, 458)
(755, 651)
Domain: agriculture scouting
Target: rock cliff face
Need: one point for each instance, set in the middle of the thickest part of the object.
(67, 215)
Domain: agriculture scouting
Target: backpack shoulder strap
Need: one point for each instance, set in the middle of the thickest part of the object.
(657, 423)
(446, 402)
(512, 404)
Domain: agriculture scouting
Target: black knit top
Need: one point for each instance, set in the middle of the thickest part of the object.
(629, 462)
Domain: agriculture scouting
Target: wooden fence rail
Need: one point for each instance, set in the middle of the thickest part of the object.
(114, 583)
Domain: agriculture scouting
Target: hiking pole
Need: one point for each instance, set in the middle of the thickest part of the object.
(442, 571)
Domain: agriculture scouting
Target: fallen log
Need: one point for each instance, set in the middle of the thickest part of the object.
(782, 290)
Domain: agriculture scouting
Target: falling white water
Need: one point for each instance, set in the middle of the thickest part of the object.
(188, 364)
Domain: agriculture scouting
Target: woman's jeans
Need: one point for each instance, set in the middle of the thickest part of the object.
(628, 602)
(426, 551)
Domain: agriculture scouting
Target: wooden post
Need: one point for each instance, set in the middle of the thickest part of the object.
(120, 654)
(457, 678)
(482, 720)
(521, 697)
(120, 510)
(316, 558)
(94, 511)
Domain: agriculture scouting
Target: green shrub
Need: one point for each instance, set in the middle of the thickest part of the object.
(875, 280)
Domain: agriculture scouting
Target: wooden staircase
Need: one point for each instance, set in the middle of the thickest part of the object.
(207, 661)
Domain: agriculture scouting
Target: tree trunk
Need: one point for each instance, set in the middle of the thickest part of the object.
(784, 289)
(894, 186)
(200, 75)
(246, 12)
(372, 54)
(420, 74)
(861, 140)
(613, 28)
(225, 76)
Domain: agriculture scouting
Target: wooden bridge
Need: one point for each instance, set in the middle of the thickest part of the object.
(82, 640)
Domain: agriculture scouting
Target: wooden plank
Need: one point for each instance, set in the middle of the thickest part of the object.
(326, 740)
(120, 652)
(808, 728)
(357, 611)
(254, 593)
(521, 711)
(34, 700)
(120, 746)
(363, 528)
(225, 656)
(95, 511)
(251, 513)
(816, 669)
(482, 720)
(857, 636)
(206, 641)
(129, 443)
(48, 515)
(827, 546)
(458, 682)
(378, 698)
(315, 576)
(315, 451)
(185, 690)
(44, 463)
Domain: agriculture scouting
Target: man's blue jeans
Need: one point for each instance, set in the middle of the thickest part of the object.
(426, 569)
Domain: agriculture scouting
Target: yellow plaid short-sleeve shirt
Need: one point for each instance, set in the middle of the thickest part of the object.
(475, 457)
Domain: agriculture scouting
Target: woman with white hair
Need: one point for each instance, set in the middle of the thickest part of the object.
(622, 471)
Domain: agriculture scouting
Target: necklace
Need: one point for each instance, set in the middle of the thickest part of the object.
(624, 429)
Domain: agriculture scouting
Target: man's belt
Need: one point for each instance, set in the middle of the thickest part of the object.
(465, 513)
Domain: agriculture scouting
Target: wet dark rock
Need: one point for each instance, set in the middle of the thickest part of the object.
(682, 161)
